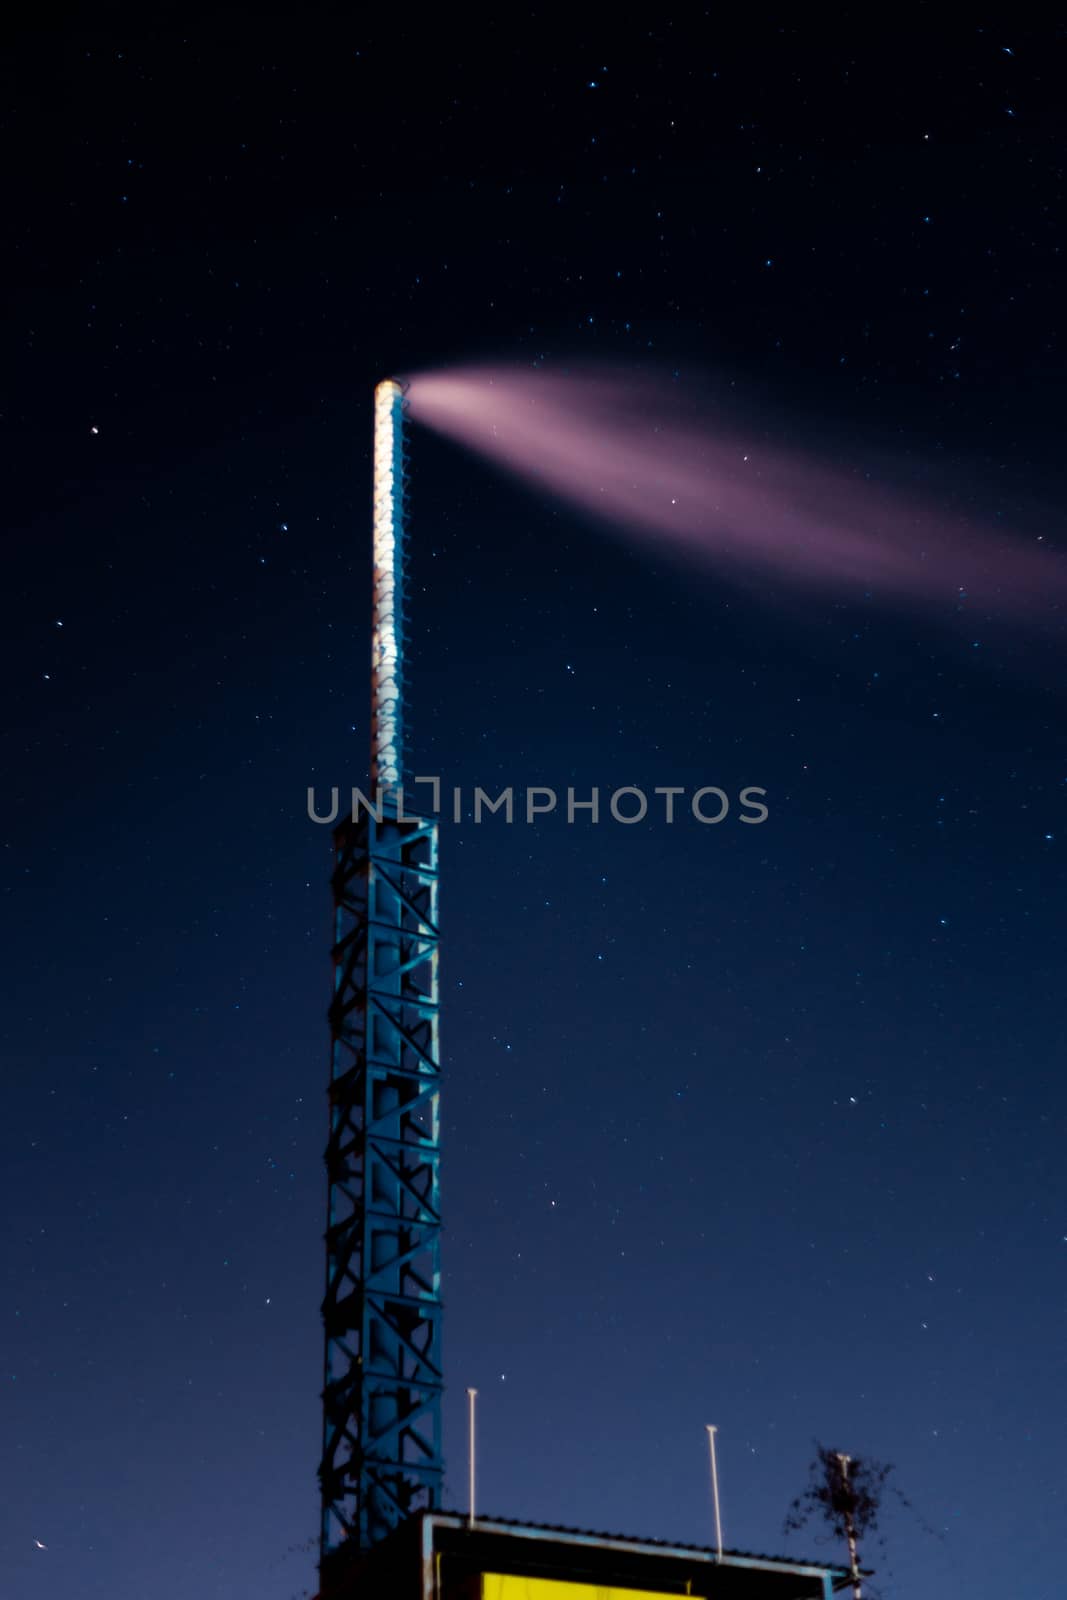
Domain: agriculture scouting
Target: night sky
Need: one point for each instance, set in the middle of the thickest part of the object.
(753, 1126)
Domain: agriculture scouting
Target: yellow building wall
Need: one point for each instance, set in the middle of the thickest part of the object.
(497, 1586)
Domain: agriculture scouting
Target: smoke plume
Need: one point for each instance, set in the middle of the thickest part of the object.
(632, 455)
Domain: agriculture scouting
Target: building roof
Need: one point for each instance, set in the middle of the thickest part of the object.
(666, 1545)
(637, 1546)
(556, 1552)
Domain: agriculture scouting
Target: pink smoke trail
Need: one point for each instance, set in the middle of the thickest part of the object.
(628, 454)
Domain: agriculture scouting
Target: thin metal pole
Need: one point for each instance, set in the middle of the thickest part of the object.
(472, 1395)
(850, 1530)
(712, 1431)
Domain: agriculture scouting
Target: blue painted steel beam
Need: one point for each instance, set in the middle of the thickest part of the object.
(382, 1457)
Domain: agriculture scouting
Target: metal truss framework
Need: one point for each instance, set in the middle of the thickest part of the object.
(382, 1457)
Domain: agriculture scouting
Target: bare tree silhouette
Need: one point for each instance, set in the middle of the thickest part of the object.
(846, 1494)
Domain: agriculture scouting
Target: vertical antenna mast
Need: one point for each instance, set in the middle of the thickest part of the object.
(390, 537)
(472, 1395)
(712, 1431)
(381, 1459)
(845, 1461)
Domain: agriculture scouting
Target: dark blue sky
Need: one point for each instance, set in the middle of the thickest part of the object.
(753, 1126)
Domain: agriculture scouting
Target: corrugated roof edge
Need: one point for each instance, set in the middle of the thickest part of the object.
(632, 1538)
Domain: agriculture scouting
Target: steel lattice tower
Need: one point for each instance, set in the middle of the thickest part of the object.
(381, 1458)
